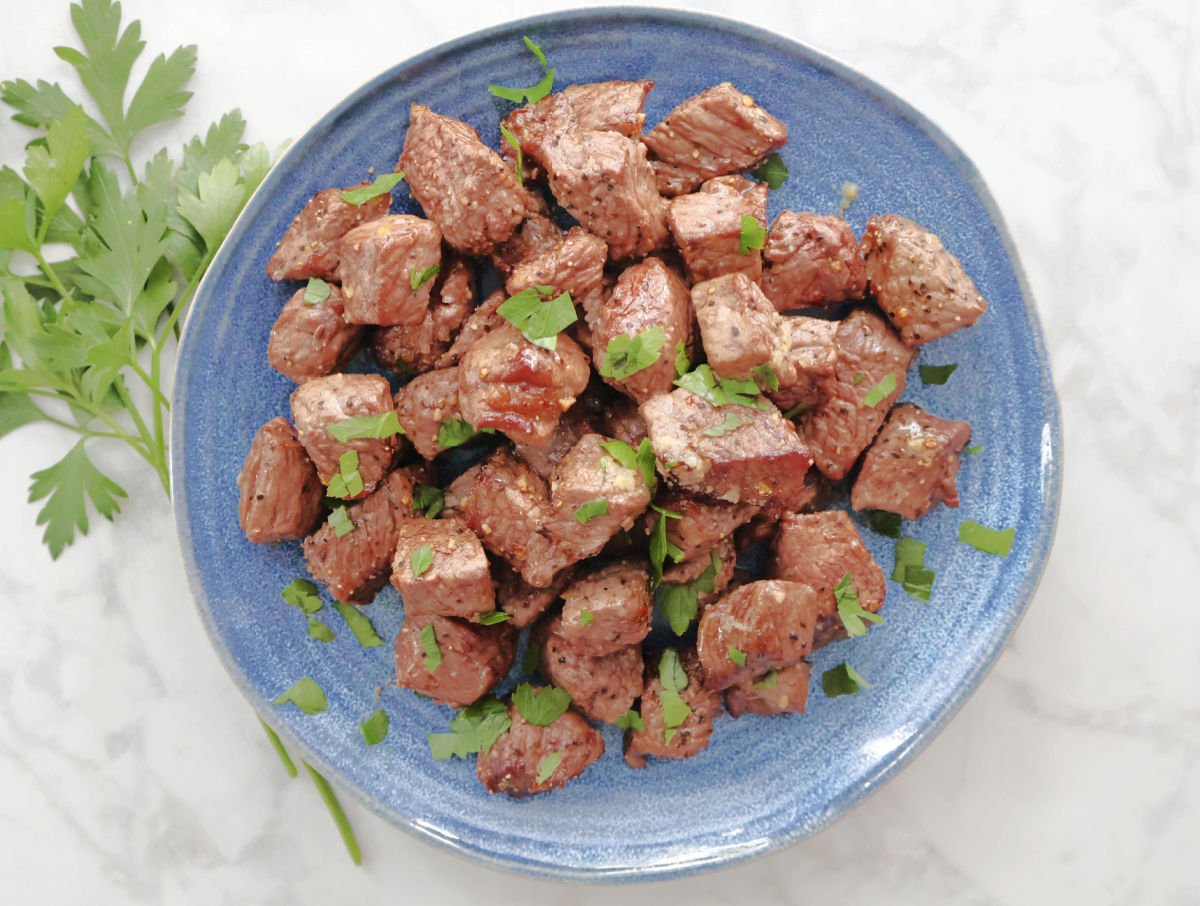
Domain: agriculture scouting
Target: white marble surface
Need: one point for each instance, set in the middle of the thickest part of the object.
(132, 772)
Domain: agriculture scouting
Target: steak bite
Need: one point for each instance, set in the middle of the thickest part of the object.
(323, 402)
(817, 549)
(473, 658)
(462, 184)
(648, 294)
(522, 601)
(920, 286)
(912, 465)
(783, 691)
(357, 564)
(537, 233)
(740, 329)
(482, 321)
(760, 461)
(526, 752)
(707, 227)
(811, 360)
(594, 107)
(623, 421)
(311, 247)
(455, 582)
(507, 383)
(704, 523)
(575, 424)
(686, 739)
(812, 260)
(380, 262)
(842, 425)
(408, 350)
(603, 687)
(426, 403)
(721, 560)
(607, 609)
(764, 625)
(279, 493)
(718, 131)
(575, 265)
(311, 340)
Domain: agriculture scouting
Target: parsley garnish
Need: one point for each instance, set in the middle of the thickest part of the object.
(433, 651)
(348, 482)
(681, 603)
(641, 459)
(539, 318)
(751, 236)
(974, 448)
(660, 547)
(682, 363)
(737, 656)
(316, 292)
(884, 523)
(766, 378)
(720, 392)
(375, 727)
(532, 655)
(586, 617)
(454, 432)
(732, 422)
(547, 766)
(849, 611)
(341, 522)
(626, 355)
(797, 409)
(533, 93)
(319, 631)
(492, 617)
(880, 391)
(421, 560)
(590, 510)
(381, 186)
(769, 680)
(990, 541)
(858, 378)
(303, 594)
(418, 278)
(910, 569)
(672, 680)
(935, 374)
(842, 680)
(631, 720)
(383, 425)
(428, 500)
(359, 624)
(306, 695)
(773, 171)
(473, 729)
(516, 146)
(541, 707)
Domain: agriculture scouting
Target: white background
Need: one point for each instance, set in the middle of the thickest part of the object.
(132, 772)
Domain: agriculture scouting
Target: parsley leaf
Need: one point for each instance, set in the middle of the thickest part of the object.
(590, 510)
(732, 422)
(341, 521)
(884, 523)
(910, 569)
(880, 391)
(513, 143)
(682, 363)
(737, 656)
(842, 680)
(418, 278)
(473, 729)
(681, 602)
(428, 500)
(660, 547)
(798, 409)
(974, 448)
(988, 540)
(316, 292)
(319, 631)
(720, 392)
(641, 459)
(547, 766)
(672, 680)
(454, 432)
(631, 720)
(382, 425)
(421, 560)
(492, 617)
(359, 624)
(766, 378)
(375, 727)
(303, 594)
(586, 617)
(626, 355)
(535, 50)
(306, 695)
(348, 482)
(751, 236)
(67, 486)
(383, 184)
(936, 374)
(773, 171)
(541, 707)
(849, 611)
(769, 680)
(533, 93)
(429, 644)
(540, 321)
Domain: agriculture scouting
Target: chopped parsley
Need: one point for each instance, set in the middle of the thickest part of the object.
(751, 236)
(428, 500)
(988, 540)
(375, 727)
(641, 459)
(319, 631)
(974, 448)
(884, 523)
(842, 680)
(360, 624)
(381, 186)
(881, 391)
(682, 363)
(454, 432)
(473, 729)
(382, 425)
(341, 522)
(547, 766)
(681, 602)
(858, 378)
(850, 612)
(766, 378)
(590, 510)
(798, 409)
(910, 569)
(348, 481)
(936, 374)
(316, 292)
(303, 594)
(418, 278)
(626, 355)
(533, 93)
(660, 547)
(773, 171)
(586, 617)
(306, 695)
(539, 318)
(519, 169)
(720, 392)
(672, 680)
(631, 720)
(492, 617)
(421, 560)
(433, 651)
(737, 656)
(769, 680)
(732, 422)
(540, 707)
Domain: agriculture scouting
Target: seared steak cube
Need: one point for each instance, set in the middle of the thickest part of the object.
(426, 403)
(718, 131)
(607, 609)
(817, 549)
(603, 687)
(758, 627)
(561, 751)
(322, 403)
(507, 383)
(705, 522)
(812, 259)
(575, 424)
(575, 266)
(707, 227)
(537, 233)
(783, 691)
(279, 493)
(522, 601)
(688, 738)
(912, 465)
(473, 658)
(482, 321)
(623, 421)
(462, 184)
(408, 350)
(740, 329)
(871, 359)
(812, 359)
(595, 107)
(311, 246)
(356, 565)
(309, 341)
(453, 580)
(380, 262)
(648, 294)
(920, 286)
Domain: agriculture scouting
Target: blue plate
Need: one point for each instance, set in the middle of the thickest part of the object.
(763, 783)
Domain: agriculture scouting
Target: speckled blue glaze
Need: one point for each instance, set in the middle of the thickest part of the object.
(763, 783)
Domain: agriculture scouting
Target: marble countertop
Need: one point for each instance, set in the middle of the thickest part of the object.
(131, 771)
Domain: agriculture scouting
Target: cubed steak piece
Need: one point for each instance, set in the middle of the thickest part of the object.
(811, 360)
(593, 107)
(322, 403)
(537, 233)
(707, 227)
(920, 286)
(451, 661)
(647, 295)
(279, 493)
(381, 262)
(759, 461)
(684, 679)
(440, 568)
(522, 601)
(426, 403)
(704, 523)
(607, 609)
(575, 424)
(871, 368)
(482, 321)
(462, 184)
(817, 549)
(783, 691)
(312, 339)
(575, 266)
(408, 350)
(507, 383)
(718, 562)
(311, 247)
(913, 464)
(357, 564)
(740, 329)
(529, 759)
(812, 259)
(603, 687)
(604, 181)
(758, 627)
(718, 131)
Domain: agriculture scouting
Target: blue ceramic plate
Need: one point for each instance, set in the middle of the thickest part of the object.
(763, 783)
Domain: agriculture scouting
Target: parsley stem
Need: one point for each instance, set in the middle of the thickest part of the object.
(339, 816)
(277, 744)
(74, 399)
(51, 275)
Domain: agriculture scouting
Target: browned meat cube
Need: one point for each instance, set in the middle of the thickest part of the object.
(607, 609)
(279, 493)
(705, 522)
(740, 329)
(322, 402)
(871, 359)
(812, 359)
(482, 321)
(755, 628)
(604, 181)
(812, 260)
(648, 294)
(526, 751)
(575, 424)
(913, 464)
(308, 341)
(707, 227)
(473, 658)
(783, 691)
(689, 737)
(817, 549)
(761, 460)
(537, 233)
(522, 601)
(575, 266)
(603, 687)
(356, 565)
(594, 107)
(718, 131)
(507, 383)
(311, 247)
(623, 421)
(410, 350)
(440, 568)
(460, 182)
(426, 403)
(920, 286)
(379, 261)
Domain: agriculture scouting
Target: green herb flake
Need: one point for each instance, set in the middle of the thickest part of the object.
(682, 363)
(880, 391)
(473, 729)
(631, 720)
(303, 594)
(590, 510)
(316, 292)
(935, 374)
(383, 184)
(547, 766)
(533, 93)
(858, 379)
(380, 426)
(842, 680)
(766, 378)
(519, 168)
(769, 680)
(540, 321)
(586, 617)
(884, 523)
(798, 409)
(421, 560)
(850, 612)
(720, 392)
(428, 500)
(773, 171)
(319, 631)
(641, 459)
(454, 432)
(541, 707)
(737, 656)
(429, 645)
(348, 482)
(910, 569)
(306, 695)
(375, 728)
(751, 236)
(341, 522)
(973, 449)
(681, 602)
(626, 355)
(672, 680)
(418, 278)
(732, 422)
(988, 540)
(661, 547)
(492, 617)
(360, 625)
